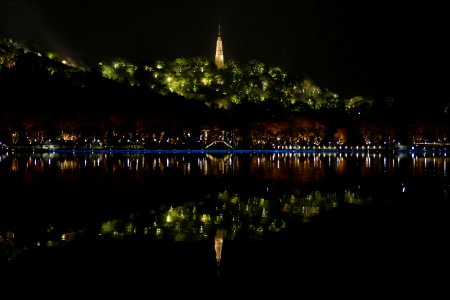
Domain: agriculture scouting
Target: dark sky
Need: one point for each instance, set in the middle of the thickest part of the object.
(352, 47)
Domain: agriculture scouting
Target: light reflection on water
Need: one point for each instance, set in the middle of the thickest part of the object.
(217, 164)
(193, 197)
(249, 219)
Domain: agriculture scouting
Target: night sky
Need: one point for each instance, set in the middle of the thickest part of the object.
(352, 47)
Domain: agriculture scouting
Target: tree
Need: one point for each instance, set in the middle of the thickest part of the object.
(340, 136)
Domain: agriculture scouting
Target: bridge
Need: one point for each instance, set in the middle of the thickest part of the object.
(219, 145)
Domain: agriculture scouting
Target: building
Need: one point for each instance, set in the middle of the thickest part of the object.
(219, 61)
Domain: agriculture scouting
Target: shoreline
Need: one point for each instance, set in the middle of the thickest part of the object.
(409, 150)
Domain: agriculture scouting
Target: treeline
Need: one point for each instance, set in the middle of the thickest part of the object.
(152, 131)
(189, 103)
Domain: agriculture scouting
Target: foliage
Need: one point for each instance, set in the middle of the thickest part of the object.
(189, 103)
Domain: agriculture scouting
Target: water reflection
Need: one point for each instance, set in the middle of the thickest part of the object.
(218, 243)
(271, 165)
(244, 218)
(192, 197)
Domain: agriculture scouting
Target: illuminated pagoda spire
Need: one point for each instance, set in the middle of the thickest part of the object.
(219, 52)
(218, 242)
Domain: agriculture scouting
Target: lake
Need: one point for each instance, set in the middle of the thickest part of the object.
(224, 218)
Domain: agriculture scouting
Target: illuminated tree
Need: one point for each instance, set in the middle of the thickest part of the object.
(35, 130)
(119, 70)
(278, 132)
(358, 103)
(416, 132)
(390, 133)
(277, 86)
(340, 136)
(308, 132)
(371, 133)
(310, 93)
(68, 129)
(258, 135)
(233, 81)
(8, 53)
(255, 77)
(319, 132)
(329, 100)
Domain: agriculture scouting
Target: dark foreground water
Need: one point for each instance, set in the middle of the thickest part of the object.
(283, 222)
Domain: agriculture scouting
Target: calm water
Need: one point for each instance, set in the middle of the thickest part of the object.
(223, 217)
